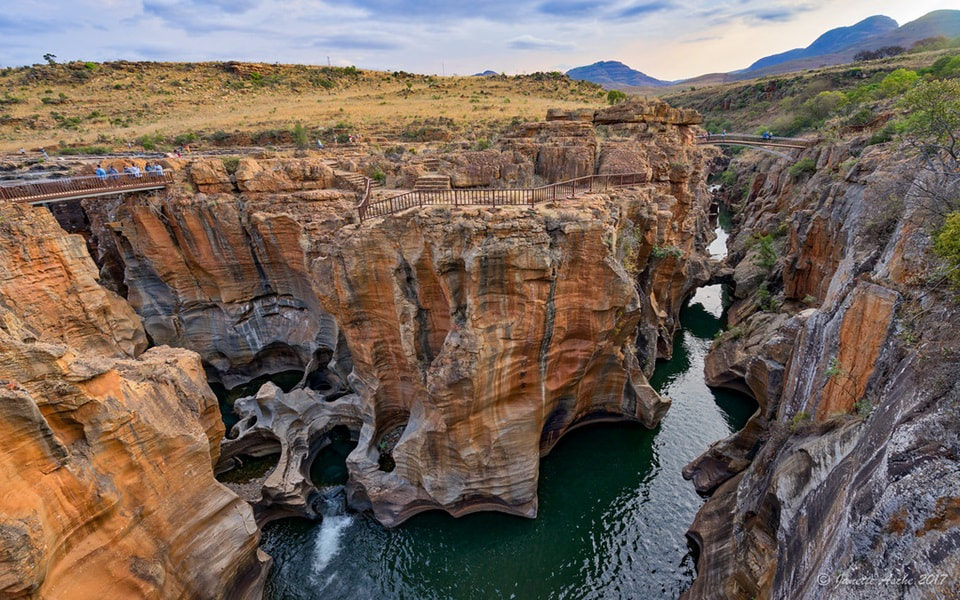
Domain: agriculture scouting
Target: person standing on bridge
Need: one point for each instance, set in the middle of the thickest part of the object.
(113, 173)
(101, 173)
(723, 135)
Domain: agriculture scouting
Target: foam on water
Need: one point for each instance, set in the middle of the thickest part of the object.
(328, 540)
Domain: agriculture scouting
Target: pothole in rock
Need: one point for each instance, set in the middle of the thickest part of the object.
(329, 466)
(247, 478)
(385, 447)
(285, 380)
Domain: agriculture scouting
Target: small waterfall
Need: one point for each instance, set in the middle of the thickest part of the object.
(335, 521)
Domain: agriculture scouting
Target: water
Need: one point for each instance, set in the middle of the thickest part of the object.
(613, 512)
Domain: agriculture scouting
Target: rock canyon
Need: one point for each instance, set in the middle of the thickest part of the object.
(456, 346)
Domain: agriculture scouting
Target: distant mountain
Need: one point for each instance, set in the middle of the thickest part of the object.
(832, 41)
(613, 74)
(936, 23)
(486, 73)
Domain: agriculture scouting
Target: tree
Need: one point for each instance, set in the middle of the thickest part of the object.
(947, 245)
(50, 58)
(933, 122)
(932, 129)
(300, 136)
(897, 82)
(615, 97)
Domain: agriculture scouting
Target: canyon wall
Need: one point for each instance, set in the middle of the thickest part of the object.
(844, 484)
(480, 336)
(473, 337)
(108, 450)
(225, 274)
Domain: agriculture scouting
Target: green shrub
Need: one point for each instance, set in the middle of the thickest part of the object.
(482, 144)
(150, 142)
(947, 246)
(897, 83)
(299, 135)
(803, 166)
(185, 138)
(615, 97)
(728, 178)
(84, 150)
(231, 163)
(665, 251)
(799, 420)
(766, 253)
(378, 176)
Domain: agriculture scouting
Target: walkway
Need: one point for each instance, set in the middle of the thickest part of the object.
(745, 139)
(497, 197)
(76, 188)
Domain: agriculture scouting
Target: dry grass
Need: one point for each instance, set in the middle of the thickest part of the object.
(84, 104)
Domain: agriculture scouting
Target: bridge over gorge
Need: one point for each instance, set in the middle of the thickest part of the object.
(368, 209)
(764, 143)
(77, 188)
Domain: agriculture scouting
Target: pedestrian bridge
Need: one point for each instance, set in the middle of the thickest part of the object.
(77, 188)
(762, 142)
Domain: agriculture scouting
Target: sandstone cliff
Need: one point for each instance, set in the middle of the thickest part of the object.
(223, 274)
(476, 337)
(849, 469)
(480, 336)
(103, 454)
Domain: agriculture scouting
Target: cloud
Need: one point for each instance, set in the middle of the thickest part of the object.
(19, 26)
(566, 8)
(639, 10)
(529, 42)
(497, 10)
(357, 42)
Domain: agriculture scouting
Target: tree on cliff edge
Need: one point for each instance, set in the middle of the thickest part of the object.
(932, 128)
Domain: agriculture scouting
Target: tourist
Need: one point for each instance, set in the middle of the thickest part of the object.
(22, 151)
(101, 173)
(158, 170)
(319, 145)
(135, 170)
(149, 170)
(44, 153)
(113, 174)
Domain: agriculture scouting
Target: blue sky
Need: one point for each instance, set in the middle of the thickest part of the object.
(667, 39)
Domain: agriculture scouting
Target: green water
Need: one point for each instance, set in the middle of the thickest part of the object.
(613, 513)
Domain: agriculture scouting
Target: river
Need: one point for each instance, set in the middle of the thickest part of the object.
(613, 511)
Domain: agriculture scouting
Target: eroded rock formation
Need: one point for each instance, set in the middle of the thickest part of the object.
(107, 459)
(227, 275)
(477, 336)
(294, 425)
(480, 336)
(849, 469)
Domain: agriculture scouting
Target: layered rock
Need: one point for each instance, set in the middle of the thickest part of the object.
(49, 281)
(848, 471)
(102, 453)
(567, 145)
(479, 337)
(226, 275)
(295, 425)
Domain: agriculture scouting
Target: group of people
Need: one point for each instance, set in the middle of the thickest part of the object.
(131, 171)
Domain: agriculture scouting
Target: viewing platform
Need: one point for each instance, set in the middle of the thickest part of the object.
(77, 188)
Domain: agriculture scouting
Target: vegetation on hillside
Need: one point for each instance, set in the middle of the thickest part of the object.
(166, 105)
(853, 96)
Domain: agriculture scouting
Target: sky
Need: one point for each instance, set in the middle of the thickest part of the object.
(666, 39)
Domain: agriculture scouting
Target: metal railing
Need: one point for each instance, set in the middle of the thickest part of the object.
(80, 187)
(755, 140)
(497, 197)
